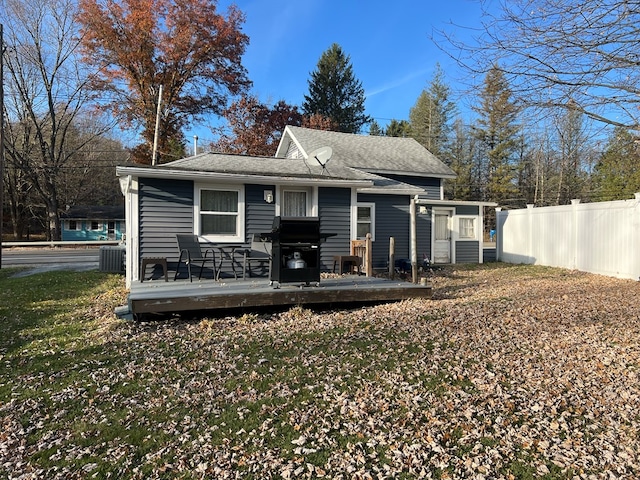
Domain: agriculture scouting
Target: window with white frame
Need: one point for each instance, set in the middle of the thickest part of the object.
(295, 203)
(467, 227)
(74, 225)
(219, 213)
(365, 220)
(95, 225)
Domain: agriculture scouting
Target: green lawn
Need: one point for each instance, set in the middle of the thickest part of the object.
(460, 386)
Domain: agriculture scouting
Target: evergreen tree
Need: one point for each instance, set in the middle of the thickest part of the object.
(617, 176)
(499, 138)
(461, 154)
(375, 129)
(398, 128)
(431, 115)
(572, 143)
(336, 93)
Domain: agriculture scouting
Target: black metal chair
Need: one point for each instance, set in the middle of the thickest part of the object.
(191, 253)
(259, 253)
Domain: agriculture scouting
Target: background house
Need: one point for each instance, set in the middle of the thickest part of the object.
(354, 184)
(82, 223)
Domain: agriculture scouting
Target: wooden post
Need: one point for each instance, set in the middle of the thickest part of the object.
(392, 257)
(414, 241)
(368, 253)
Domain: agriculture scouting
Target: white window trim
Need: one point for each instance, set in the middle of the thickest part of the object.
(370, 205)
(475, 228)
(240, 226)
(78, 225)
(98, 228)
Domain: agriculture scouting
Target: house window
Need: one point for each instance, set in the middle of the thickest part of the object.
(442, 227)
(94, 225)
(295, 203)
(365, 220)
(468, 228)
(73, 225)
(219, 213)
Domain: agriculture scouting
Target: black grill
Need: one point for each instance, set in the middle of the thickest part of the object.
(296, 250)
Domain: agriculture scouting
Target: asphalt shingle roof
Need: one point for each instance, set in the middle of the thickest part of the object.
(369, 153)
(268, 166)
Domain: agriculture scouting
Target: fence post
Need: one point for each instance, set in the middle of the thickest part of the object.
(392, 257)
(369, 254)
(574, 204)
(498, 234)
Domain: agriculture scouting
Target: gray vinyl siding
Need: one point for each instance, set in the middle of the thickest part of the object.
(335, 217)
(166, 208)
(429, 184)
(467, 210)
(258, 213)
(467, 252)
(392, 220)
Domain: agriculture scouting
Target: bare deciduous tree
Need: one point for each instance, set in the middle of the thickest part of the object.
(46, 96)
(562, 53)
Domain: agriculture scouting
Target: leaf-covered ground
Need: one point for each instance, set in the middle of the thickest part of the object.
(508, 372)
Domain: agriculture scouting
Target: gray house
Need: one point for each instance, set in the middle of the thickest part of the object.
(354, 184)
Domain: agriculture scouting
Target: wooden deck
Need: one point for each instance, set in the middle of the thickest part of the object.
(158, 296)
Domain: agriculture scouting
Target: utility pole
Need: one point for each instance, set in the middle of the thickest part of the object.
(155, 136)
(1, 137)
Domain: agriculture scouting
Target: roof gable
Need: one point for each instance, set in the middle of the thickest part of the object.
(365, 152)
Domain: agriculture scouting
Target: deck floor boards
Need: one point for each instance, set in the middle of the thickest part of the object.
(172, 297)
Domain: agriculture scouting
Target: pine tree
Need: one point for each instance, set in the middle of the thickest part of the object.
(375, 129)
(616, 175)
(431, 115)
(335, 92)
(498, 134)
(398, 128)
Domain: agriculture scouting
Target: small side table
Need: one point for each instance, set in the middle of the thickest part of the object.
(352, 260)
(162, 261)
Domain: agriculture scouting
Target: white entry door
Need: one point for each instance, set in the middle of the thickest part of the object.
(442, 237)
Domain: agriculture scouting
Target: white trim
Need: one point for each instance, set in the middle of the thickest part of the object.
(132, 229)
(474, 219)
(240, 226)
(451, 211)
(372, 207)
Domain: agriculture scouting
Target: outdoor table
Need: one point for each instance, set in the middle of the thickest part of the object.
(227, 253)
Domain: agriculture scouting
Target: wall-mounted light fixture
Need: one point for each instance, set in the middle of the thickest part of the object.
(268, 196)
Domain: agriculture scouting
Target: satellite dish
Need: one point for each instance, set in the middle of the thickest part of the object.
(322, 155)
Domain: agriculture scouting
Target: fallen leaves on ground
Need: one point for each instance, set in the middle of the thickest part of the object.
(507, 372)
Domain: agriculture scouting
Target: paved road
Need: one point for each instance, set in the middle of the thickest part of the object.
(42, 259)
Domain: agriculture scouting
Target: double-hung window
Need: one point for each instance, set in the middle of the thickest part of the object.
(365, 220)
(219, 214)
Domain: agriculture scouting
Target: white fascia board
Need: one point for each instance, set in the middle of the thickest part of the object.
(390, 191)
(282, 150)
(200, 176)
(405, 173)
(445, 203)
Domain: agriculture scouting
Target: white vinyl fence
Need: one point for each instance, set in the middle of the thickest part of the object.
(602, 237)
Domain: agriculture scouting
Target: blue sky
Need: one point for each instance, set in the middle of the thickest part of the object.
(388, 42)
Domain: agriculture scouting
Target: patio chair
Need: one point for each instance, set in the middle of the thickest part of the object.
(191, 252)
(259, 253)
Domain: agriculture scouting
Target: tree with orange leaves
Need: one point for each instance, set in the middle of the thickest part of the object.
(185, 46)
(256, 127)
